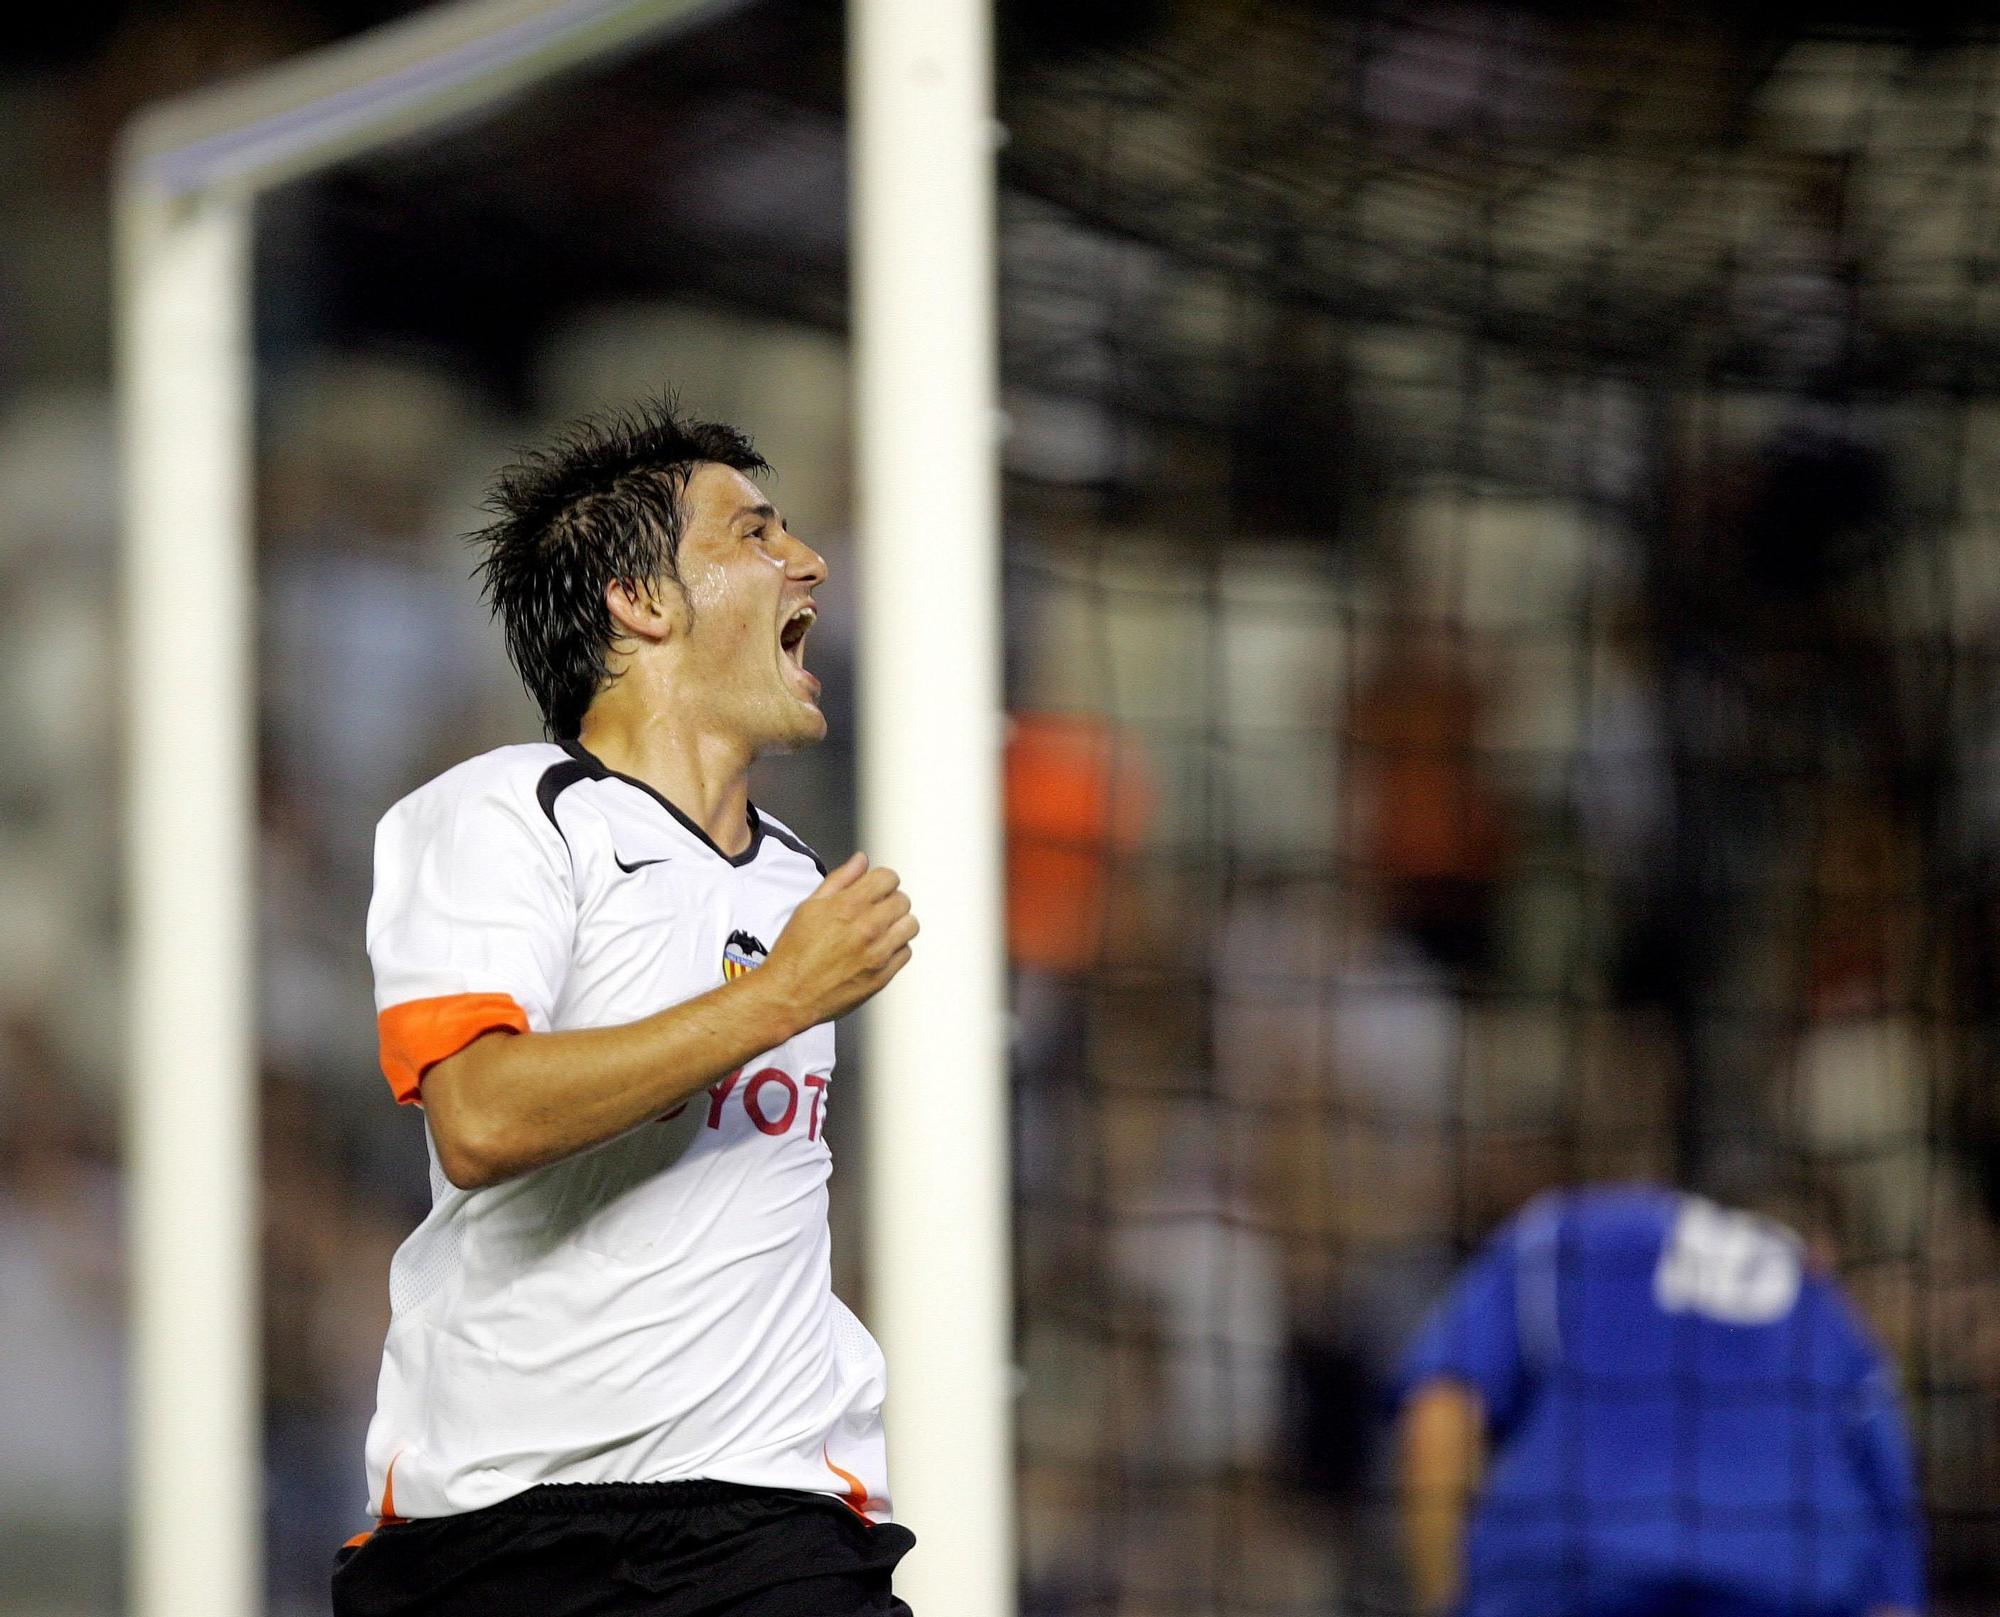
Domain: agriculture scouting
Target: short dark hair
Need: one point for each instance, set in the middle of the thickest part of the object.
(602, 504)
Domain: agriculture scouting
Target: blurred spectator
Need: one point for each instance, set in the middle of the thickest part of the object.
(58, 698)
(1076, 799)
(1195, 1252)
(374, 633)
(326, 1253)
(62, 1398)
(1433, 830)
(1776, 688)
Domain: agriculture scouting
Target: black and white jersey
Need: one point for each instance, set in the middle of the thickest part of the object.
(658, 1307)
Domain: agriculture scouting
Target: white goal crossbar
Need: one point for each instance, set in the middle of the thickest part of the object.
(189, 176)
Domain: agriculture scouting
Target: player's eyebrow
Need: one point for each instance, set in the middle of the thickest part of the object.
(763, 513)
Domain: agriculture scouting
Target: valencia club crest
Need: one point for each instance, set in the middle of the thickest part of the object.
(740, 954)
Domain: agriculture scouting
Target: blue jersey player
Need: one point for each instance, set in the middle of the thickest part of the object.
(1636, 1403)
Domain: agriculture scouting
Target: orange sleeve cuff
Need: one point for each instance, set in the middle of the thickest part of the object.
(416, 1035)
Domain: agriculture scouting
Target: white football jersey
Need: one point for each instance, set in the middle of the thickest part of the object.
(658, 1307)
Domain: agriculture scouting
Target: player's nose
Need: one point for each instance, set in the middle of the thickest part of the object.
(803, 562)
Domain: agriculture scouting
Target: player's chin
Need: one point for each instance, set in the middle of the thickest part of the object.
(805, 725)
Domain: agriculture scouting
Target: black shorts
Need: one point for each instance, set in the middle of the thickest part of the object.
(623, 1549)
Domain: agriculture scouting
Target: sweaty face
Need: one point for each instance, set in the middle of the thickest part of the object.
(748, 583)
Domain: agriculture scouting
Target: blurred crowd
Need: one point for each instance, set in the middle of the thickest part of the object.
(1451, 757)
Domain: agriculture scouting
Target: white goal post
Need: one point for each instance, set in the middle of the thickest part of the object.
(188, 179)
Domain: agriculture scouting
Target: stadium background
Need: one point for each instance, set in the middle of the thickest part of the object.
(1502, 572)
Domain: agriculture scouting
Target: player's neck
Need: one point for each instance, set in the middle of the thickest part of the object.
(706, 777)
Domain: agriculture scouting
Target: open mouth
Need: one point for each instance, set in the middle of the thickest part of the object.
(792, 637)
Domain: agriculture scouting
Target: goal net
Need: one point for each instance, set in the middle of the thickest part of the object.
(1503, 576)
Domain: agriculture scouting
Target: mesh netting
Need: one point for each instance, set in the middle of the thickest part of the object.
(1504, 575)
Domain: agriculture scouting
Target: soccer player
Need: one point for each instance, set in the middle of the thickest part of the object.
(1652, 1406)
(617, 1379)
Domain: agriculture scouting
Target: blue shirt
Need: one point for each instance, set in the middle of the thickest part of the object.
(1681, 1416)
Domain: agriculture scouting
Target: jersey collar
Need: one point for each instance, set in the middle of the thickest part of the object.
(597, 769)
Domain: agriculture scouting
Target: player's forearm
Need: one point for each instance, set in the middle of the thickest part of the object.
(1443, 1455)
(509, 1103)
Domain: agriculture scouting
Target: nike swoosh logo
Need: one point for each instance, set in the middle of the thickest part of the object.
(637, 864)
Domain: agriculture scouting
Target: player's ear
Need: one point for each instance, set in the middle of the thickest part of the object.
(645, 613)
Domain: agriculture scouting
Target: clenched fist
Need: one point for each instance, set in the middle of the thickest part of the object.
(844, 943)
